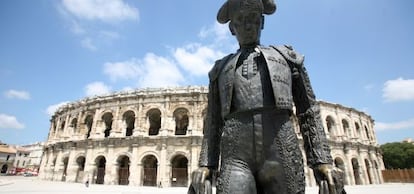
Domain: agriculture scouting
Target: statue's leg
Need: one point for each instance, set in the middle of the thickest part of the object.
(281, 171)
(235, 177)
(237, 159)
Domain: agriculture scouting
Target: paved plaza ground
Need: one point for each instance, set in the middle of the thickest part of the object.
(32, 185)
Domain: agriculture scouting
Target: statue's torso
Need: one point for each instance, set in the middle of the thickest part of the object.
(247, 84)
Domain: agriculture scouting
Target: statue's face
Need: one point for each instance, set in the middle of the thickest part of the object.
(246, 26)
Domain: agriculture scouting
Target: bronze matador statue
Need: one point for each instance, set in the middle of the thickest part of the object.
(248, 126)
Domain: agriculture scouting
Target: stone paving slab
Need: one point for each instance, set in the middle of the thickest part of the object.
(32, 185)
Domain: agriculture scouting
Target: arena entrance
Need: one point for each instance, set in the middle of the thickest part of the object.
(150, 164)
(4, 169)
(355, 167)
(100, 173)
(123, 171)
(368, 167)
(80, 161)
(179, 165)
(339, 163)
(65, 168)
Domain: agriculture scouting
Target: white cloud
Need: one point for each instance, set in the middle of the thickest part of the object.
(87, 43)
(159, 72)
(151, 71)
(10, 122)
(53, 108)
(218, 31)
(380, 126)
(96, 89)
(122, 70)
(197, 59)
(23, 95)
(398, 90)
(103, 10)
(191, 60)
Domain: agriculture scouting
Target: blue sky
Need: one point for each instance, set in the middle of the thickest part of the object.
(358, 54)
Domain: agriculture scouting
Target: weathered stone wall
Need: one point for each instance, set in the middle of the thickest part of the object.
(162, 157)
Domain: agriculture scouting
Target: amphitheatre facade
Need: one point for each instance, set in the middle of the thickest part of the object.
(152, 137)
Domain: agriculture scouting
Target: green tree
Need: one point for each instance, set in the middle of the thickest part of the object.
(398, 155)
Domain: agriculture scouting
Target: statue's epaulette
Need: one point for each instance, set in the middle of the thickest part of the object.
(218, 66)
(290, 54)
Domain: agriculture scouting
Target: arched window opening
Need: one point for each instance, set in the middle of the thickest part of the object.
(357, 130)
(367, 133)
(80, 161)
(62, 125)
(107, 119)
(54, 161)
(88, 123)
(150, 164)
(74, 125)
(345, 126)
(100, 173)
(123, 171)
(339, 163)
(179, 165)
(154, 118)
(129, 119)
(330, 124)
(181, 121)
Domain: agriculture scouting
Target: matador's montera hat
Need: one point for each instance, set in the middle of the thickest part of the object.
(231, 6)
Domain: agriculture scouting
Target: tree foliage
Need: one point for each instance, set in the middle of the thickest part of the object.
(398, 155)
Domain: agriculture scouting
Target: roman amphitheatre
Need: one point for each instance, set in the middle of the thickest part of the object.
(152, 137)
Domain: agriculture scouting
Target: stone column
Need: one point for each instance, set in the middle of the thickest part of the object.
(110, 167)
(94, 124)
(116, 127)
(134, 175)
(163, 165)
(348, 166)
(90, 166)
(72, 168)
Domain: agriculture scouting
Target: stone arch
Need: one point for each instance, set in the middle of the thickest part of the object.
(74, 125)
(355, 169)
(377, 171)
(179, 169)
(154, 120)
(345, 127)
(330, 125)
(88, 124)
(150, 168)
(99, 174)
(181, 121)
(65, 161)
(368, 170)
(123, 163)
(339, 163)
(80, 163)
(107, 119)
(62, 124)
(367, 132)
(357, 130)
(129, 119)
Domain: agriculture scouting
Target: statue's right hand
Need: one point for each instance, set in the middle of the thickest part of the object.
(198, 179)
